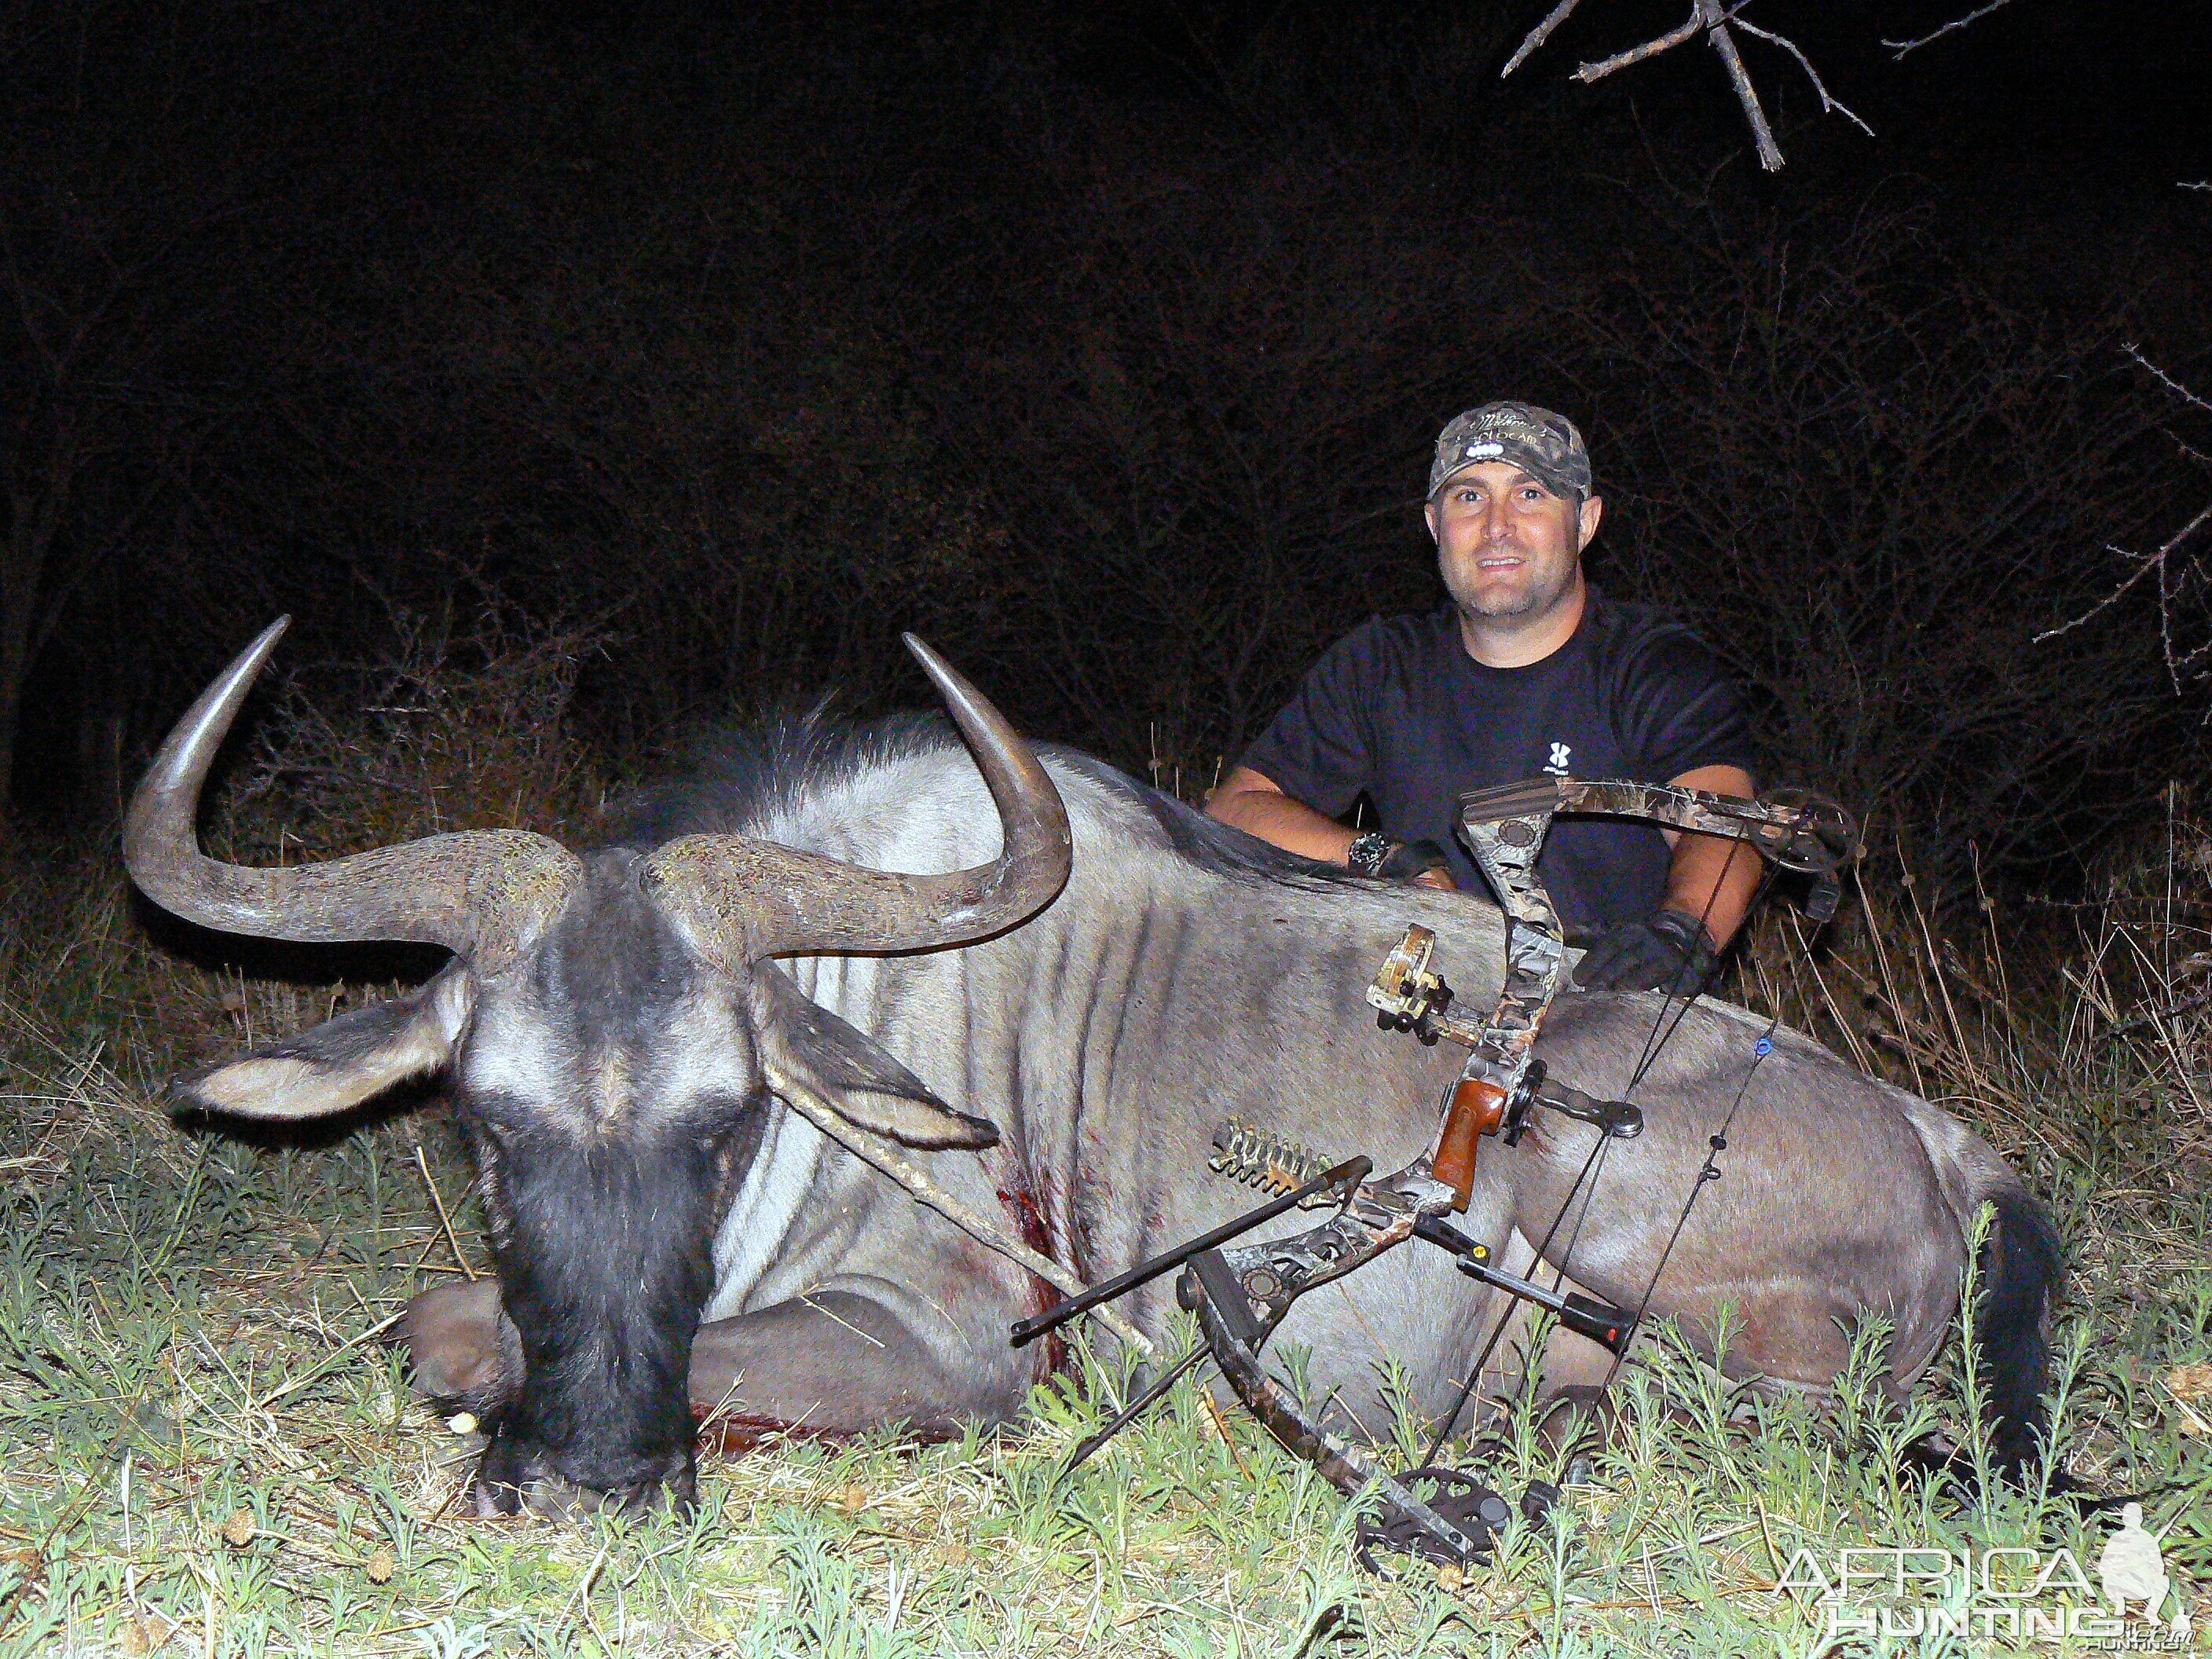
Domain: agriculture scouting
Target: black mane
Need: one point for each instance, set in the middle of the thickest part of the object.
(739, 776)
(1206, 843)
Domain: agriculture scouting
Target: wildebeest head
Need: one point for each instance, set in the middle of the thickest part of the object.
(612, 1027)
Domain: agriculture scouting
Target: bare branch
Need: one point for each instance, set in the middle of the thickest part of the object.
(1706, 16)
(1716, 31)
(1898, 48)
(1537, 36)
(2160, 565)
(2164, 378)
(1829, 105)
(2146, 564)
(2195, 183)
(1598, 71)
(2174, 583)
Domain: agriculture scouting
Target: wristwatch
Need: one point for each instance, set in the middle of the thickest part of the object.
(1365, 855)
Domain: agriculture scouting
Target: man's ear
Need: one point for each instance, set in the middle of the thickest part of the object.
(342, 1062)
(1593, 511)
(806, 1050)
(1429, 517)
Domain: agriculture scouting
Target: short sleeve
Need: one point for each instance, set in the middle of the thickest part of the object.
(1681, 709)
(1320, 748)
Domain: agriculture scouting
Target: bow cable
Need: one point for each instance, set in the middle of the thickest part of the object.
(1593, 1169)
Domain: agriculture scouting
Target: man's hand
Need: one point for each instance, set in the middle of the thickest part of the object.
(1421, 862)
(1667, 951)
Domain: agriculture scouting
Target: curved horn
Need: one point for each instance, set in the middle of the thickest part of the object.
(742, 900)
(477, 893)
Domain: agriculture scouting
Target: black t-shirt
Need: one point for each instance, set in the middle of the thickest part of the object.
(1398, 710)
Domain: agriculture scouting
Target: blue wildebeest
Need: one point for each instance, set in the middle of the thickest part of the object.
(1063, 1003)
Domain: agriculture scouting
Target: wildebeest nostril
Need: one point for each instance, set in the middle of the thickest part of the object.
(495, 1503)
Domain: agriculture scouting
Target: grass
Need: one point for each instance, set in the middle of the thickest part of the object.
(209, 1451)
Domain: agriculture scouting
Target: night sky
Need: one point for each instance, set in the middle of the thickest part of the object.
(1102, 343)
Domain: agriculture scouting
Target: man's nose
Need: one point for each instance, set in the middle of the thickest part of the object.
(1497, 523)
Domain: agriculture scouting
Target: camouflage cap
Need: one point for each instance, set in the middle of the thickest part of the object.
(1537, 439)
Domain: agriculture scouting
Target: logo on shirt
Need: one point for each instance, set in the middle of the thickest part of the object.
(1557, 765)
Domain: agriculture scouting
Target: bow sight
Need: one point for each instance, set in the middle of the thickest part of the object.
(1241, 1292)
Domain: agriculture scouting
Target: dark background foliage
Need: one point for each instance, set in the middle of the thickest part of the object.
(1103, 346)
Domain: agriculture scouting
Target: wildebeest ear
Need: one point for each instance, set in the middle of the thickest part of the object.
(806, 1049)
(343, 1062)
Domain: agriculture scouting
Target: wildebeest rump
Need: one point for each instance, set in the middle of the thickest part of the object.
(620, 1032)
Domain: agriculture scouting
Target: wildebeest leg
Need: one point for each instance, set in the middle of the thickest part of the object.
(842, 1361)
(1581, 1414)
(835, 1360)
(464, 1349)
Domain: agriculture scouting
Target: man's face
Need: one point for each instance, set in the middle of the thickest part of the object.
(1507, 546)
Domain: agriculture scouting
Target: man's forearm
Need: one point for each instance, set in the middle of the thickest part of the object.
(1714, 878)
(1254, 804)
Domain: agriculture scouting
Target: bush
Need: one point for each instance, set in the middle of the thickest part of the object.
(449, 730)
(1874, 484)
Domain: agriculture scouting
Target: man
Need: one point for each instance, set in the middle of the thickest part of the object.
(1529, 669)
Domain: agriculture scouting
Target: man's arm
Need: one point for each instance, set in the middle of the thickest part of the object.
(1713, 878)
(1253, 803)
(1257, 806)
(1710, 886)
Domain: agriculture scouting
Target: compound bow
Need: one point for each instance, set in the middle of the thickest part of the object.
(1241, 1292)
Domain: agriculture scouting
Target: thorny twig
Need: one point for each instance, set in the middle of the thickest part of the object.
(2169, 586)
(1898, 48)
(2164, 378)
(2172, 583)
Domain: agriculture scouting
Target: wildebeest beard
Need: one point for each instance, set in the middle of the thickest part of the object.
(603, 1250)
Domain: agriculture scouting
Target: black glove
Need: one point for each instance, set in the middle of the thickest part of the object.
(1667, 951)
(1409, 860)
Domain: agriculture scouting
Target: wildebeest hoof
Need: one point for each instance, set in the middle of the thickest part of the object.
(515, 1478)
(1577, 1419)
(453, 1339)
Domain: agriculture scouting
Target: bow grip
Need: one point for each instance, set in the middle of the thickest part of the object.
(1478, 1107)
